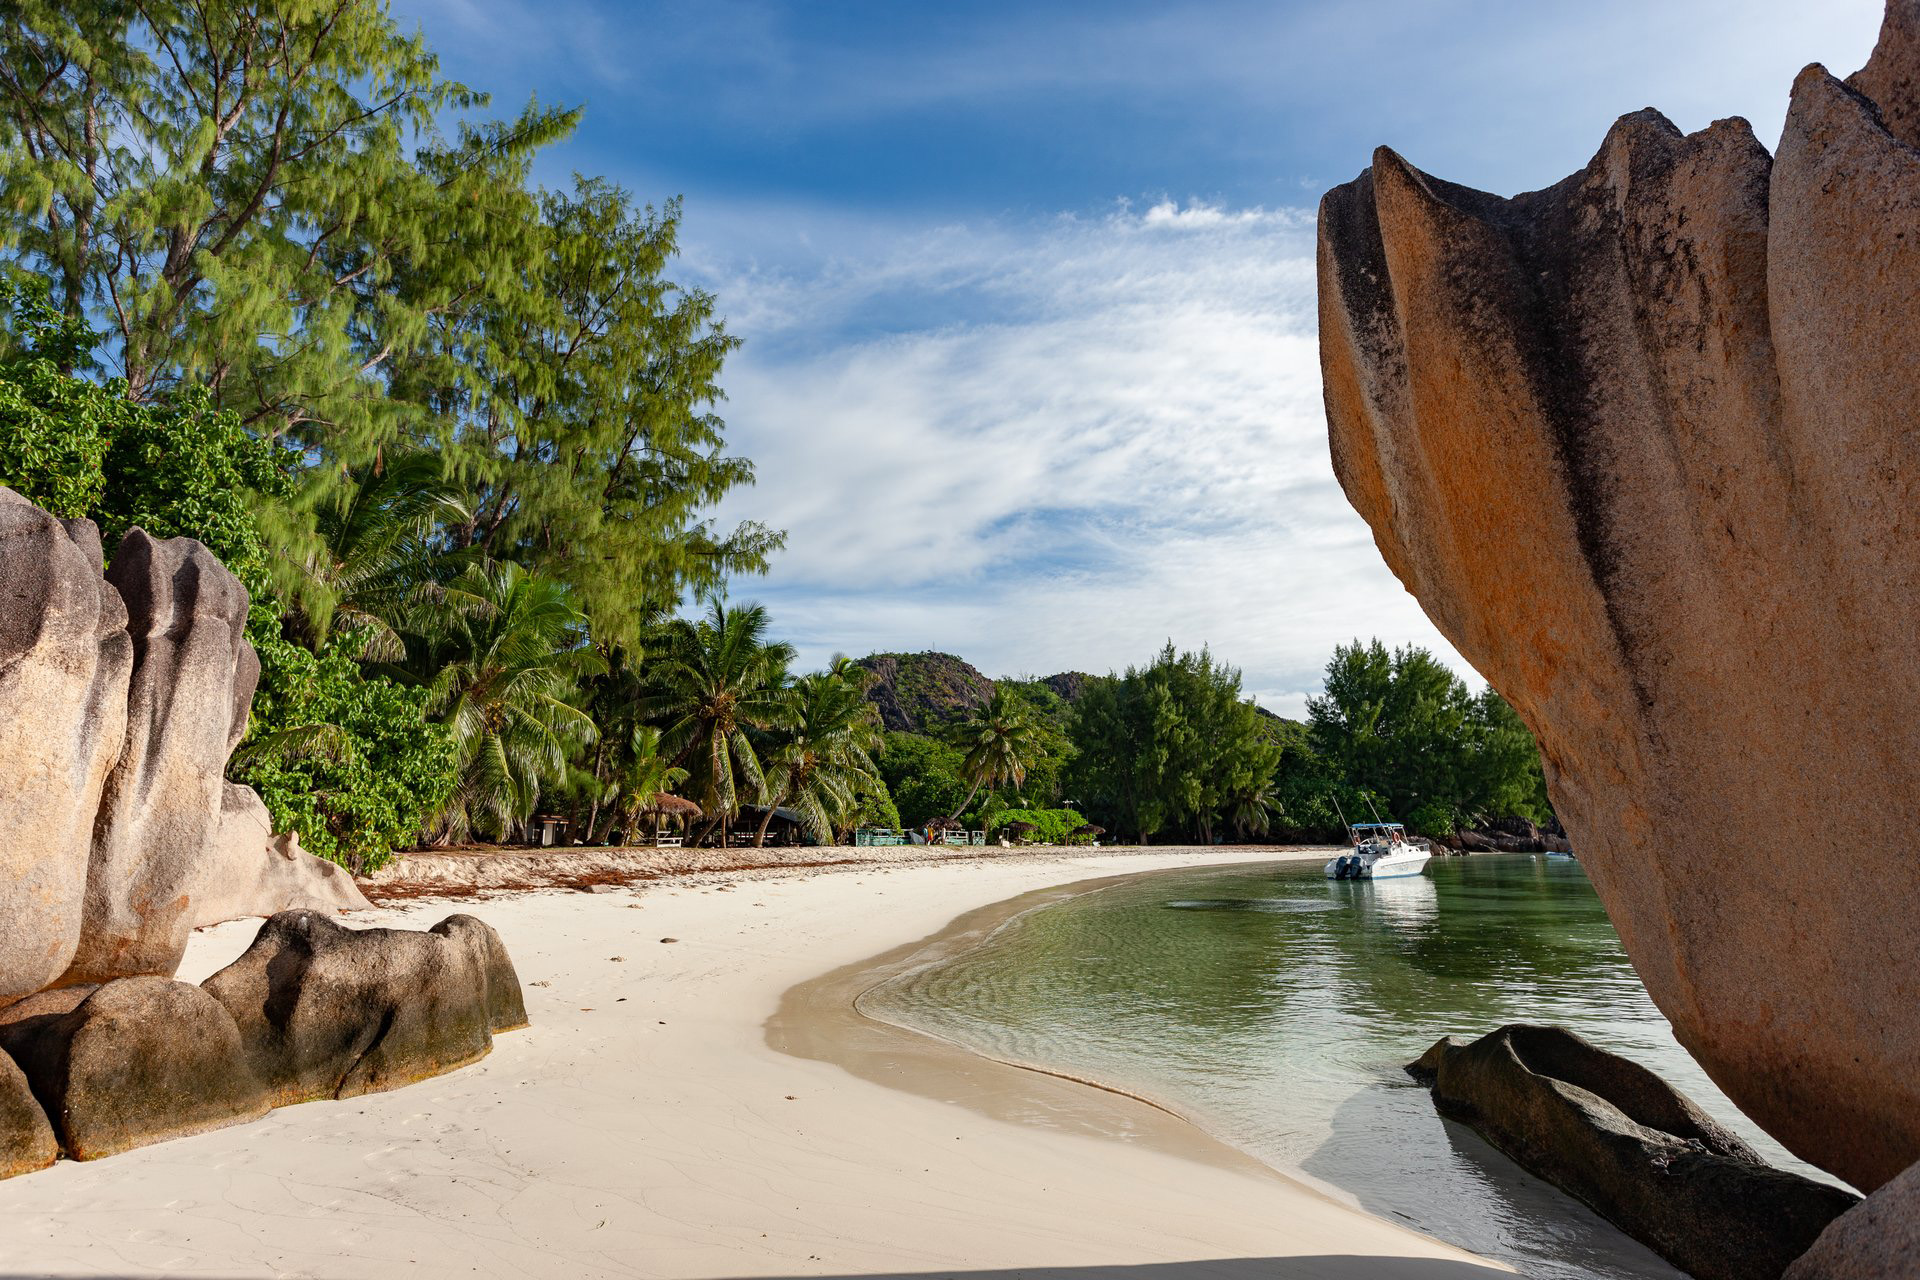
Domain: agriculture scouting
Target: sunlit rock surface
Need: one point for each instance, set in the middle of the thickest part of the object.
(1644, 445)
(121, 697)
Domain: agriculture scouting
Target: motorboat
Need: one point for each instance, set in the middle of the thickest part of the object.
(1381, 851)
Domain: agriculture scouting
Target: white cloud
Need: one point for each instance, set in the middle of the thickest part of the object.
(1054, 446)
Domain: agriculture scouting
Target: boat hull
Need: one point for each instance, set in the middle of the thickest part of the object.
(1391, 867)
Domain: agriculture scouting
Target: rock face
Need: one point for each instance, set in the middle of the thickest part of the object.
(193, 680)
(1616, 1136)
(134, 1061)
(121, 698)
(919, 692)
(330, 1012)
(248, 870)
(1643, 446)
(64, 659)
(26, 1139)
(1878, 1239)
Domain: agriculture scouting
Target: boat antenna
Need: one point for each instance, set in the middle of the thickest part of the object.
(1337, 811)
(1376, 812)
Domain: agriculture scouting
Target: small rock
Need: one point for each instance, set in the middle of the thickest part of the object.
(669, 939)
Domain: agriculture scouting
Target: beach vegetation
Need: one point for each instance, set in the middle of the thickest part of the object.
(819, 754)
(1000, 742)
(1401, 724)
(1048, 826)
(719, 683)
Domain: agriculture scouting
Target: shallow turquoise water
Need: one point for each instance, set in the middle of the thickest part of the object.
(1277, 1008)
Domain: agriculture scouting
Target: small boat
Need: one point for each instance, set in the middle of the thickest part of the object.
(1381, 850)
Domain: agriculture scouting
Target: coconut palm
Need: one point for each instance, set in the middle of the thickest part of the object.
(1000, 741)
(373, 550)
(718, 681)
(645, 776)
(823, 738)
(501, 662)
(1251, 811)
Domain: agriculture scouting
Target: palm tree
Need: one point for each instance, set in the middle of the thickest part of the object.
(374, 552)
(501, 666)
(825, 735)
(719, 680)
(646, 776)
(1251, 811)
(1000, 742)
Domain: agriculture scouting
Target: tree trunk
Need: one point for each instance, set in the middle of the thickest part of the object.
(760, 836)
(964, 803)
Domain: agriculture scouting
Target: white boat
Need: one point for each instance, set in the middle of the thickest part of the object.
(1381, 850)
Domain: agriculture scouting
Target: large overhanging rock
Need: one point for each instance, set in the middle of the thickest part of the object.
(64, 659)
(1644, 446)
(1615, 1135)
(1877, 1239)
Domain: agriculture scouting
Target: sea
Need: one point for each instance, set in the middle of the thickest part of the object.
(1278, 1009)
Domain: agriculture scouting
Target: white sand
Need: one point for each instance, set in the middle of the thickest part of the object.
(644, 1127)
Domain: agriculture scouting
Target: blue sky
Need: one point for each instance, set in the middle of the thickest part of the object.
(1027, 292)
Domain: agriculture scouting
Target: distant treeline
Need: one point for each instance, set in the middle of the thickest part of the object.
(1172, 751)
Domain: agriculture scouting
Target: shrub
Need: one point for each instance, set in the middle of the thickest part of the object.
(1435, 818)
(347, 760)
(1051, 825)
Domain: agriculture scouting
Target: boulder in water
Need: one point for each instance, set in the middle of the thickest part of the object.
(1611, 1133)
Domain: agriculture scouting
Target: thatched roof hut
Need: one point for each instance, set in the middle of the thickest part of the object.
(1018, 828)
(946, 824)
(670, 806)
(1088, 829)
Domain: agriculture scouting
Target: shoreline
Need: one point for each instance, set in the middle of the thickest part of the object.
(824, 1019)
(644, 1126)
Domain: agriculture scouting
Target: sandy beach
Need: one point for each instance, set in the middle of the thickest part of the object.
(696, 1098)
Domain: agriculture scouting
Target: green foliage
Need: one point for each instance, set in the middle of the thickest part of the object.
(430, 414)
(1404, 726)
(873, 806)
(379, 780)
(717, 682)
(1170, 745)
(1000, 742)
(583, 430)
(499, 656)
(1052, 826)
(643, 778)
(922, 775)
(54, 428)
(819, 750)
(263, 203)
(1436, 818)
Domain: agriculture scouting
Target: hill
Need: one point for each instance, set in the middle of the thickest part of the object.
(920, 692)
